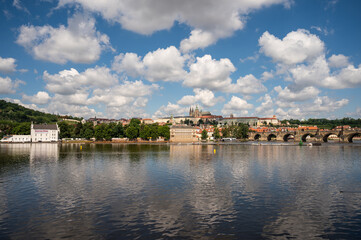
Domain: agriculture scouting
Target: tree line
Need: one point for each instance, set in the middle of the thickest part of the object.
(325, 123)
(135, 129)
(239, 131)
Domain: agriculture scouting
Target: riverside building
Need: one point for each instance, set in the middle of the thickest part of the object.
(44, 132)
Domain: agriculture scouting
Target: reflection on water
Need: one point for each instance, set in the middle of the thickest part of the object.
(189, 191)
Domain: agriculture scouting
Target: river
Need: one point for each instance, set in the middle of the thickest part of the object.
(119, 191)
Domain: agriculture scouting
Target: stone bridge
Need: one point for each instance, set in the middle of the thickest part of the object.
(316, 135)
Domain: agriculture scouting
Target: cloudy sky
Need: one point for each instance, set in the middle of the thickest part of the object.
(153, 58)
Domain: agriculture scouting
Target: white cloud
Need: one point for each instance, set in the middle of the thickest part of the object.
(18, 5)
(319, 107)
(40, 98)
(296, 47)
(164, 65)
(160, 65)
(210, 74)
(130, 63)
(248, 84)
(31, 106)
(203, 96)
(9, 86)
(236, 106)
(338, 61)
(288, 95)
(70, 109)
(7, 65)
(325, 104)
(170, 109)
(266, 107)
(122, 95)
(266, 76)
(197, 39)
(318, 73)
(79, 42)
(69, 81)
(209, 20)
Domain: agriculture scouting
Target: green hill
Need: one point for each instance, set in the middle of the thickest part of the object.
(16, 119)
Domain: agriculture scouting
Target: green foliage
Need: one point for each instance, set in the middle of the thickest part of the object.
(164, 131)
(132, 132)
(204, 135)
(216, 133)
(225, 132)
(239, 132)
(22, 129)
(325, 123)
(17, 113)
(66, 130)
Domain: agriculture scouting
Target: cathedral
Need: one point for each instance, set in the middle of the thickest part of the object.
(198, 113)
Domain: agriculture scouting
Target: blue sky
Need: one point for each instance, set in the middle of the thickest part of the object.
(154, 58)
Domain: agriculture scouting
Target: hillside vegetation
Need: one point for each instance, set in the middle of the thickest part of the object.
(16, 119)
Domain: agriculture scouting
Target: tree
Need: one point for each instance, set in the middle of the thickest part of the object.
(204, 135)
(22, 128)
(131, 132)
(164, 131)
(87, 130)
(119, 130)
(99, 131)
(225, 132)
(216, 133)
(145, 132)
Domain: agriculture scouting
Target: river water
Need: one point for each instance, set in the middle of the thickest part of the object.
(105, 191)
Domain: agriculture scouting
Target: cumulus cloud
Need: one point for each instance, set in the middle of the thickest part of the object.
(210, 73)
(123, 94)
(266, 107)
(318, 73)
(7, 65)
(296, 47)
(71, 109)
(338, 61)
(76, 92)
(237, 106)
(79, 42)
(160, 65)
(197, 39)
(8, 85)
(69, 81)
(318, 107)
(203, 96)
(305, 94)
(170, 109)
(130, 63)
(301, 58)
(164, 65)
(40, 98)
(247, 85)
(210, 20)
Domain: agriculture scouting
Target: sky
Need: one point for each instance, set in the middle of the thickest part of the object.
(117, 59)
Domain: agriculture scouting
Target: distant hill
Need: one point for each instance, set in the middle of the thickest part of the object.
(17, 113)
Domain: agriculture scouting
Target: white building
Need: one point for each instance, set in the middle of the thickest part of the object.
(44, 132)
(16, 139)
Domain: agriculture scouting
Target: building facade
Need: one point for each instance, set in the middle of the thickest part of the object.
(44, 132)
(183, 134)
(16, 139)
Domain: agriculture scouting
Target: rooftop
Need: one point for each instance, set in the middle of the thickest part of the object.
(45, 126)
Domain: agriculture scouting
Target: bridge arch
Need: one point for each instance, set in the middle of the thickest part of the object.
(286, 136)
(270, 136)
(257, 136)
(352, 135)
(304, 136)
(325, 137)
